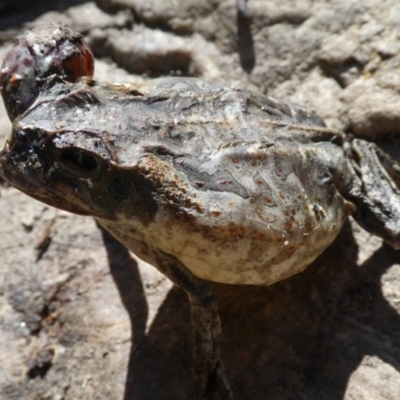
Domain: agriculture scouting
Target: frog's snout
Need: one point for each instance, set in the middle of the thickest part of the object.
(22, 148)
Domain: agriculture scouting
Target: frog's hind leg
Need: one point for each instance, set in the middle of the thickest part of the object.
(209, 373)
(377, 197)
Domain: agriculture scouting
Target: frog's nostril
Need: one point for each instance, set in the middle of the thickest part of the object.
(20, 138)
(27, 137)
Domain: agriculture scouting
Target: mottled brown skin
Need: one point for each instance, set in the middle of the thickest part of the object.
(205, 182)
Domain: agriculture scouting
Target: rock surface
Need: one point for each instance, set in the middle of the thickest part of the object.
(81, 319)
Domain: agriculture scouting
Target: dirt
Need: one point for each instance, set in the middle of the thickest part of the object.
(81, 318)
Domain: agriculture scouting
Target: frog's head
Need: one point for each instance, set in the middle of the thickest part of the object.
(77, 170)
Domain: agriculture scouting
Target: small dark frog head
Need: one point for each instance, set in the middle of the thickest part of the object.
(54, 50)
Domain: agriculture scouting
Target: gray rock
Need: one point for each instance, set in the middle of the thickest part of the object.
(331, 332)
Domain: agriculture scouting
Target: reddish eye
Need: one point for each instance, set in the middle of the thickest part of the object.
(79, 65)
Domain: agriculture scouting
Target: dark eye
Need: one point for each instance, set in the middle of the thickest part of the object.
(77, 162)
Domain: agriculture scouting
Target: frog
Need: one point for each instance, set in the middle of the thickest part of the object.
(205, 181)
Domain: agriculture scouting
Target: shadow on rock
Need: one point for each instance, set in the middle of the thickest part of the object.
(125, 272)
(246, 50)
(298, 339)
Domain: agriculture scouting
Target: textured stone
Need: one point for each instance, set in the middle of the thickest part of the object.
(315, 328)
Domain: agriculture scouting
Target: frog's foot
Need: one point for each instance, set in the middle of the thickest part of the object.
(378, 199)
(209, 373)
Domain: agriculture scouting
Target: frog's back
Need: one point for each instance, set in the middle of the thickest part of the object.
(245, 195)
(184, 115)
(240, 184)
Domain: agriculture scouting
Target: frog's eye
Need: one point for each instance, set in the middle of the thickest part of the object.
(77, 162)
(78, 154)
